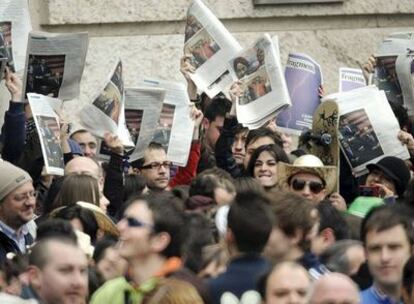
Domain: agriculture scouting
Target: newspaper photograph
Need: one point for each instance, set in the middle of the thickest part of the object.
(15, 26)
(3, 64)
(388, 76)
(210, 46)
(6, 50)
(367, 128)
(106, 113)
(350, 79)
(264, 88)
(303, 78)
(54, 64)
(47, 124)
(178, 129)
(142, 113)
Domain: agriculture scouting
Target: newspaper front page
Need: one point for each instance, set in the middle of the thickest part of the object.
(350, 79)
(304, 78)
(14, 28)
(392, 72)
(48, 128)
(106, 113)
(175, 127)
(264, 88)
(142, 112)
(54, 64)
(210, 46)
(368, 128)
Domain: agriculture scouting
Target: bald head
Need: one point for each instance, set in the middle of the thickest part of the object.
(81, 165)
(334, 288)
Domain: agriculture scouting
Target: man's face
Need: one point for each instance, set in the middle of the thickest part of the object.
(64, 279)
(87, 142)
(387, 252)
(157, 177)
(378, 177)
(18, 206)
(213, 130)
(261, 141)
(135, 241)
(287, 285)
(309, 186)
(238, 148)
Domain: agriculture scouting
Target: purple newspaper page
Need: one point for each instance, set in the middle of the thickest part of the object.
(303, 78)
(350, 79)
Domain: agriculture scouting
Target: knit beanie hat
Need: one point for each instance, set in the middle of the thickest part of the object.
(11, 177)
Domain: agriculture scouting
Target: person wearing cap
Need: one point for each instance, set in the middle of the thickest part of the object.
(390, 174)
(17, 205)
(308, 177)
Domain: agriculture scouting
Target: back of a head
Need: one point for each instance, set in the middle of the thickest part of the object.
(293, 212)
(330, 217)
(334, 288)
(78, 187)
(218, 107)
(246, 184)
(251, 220)
(83, 164)
(335, 256)
(55, 227)
(134, 184)
(173, 291)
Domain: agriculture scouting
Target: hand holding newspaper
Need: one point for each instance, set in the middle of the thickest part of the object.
(210, 46)
(54, 64)
(304, 78)
(14, 28)
(368, 129)
(264, 91)
(47, 124)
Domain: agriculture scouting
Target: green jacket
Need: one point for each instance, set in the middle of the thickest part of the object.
(120, 291)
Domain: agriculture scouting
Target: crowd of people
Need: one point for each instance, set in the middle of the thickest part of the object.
(252, 218)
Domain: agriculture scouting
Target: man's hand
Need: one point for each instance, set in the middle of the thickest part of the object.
(385, 192)
(14, 85)
(186, 68)
(368, 67)
(64, 135)
(406, 139)
(114, 143)
(197, 116)
(235, 93)
(338, 201)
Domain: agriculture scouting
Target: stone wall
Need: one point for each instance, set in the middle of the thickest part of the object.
(147, 34)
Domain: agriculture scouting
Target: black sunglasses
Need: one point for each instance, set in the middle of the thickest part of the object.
(133, 222)
(315, 187)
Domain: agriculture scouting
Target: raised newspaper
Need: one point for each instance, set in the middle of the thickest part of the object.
(393, 72)
(350, 79)
(175, 127)
(47, 124)
(106, 113)
(264, 88)
(142, 112)
(304, 78)
(210, 46)
(14, 27)
(54, 64)
(367, 127)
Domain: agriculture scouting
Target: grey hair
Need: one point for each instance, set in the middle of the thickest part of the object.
(335, 258)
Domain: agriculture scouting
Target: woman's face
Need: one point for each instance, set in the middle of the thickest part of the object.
(241, 70)
(265, 170)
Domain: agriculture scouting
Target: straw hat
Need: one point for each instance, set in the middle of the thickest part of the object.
(308, 164)
(104, 222)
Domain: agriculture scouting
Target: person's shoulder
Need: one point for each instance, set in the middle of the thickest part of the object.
(367, 296)
(113, 289)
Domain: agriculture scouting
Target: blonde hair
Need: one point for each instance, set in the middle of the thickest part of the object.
(173, 291)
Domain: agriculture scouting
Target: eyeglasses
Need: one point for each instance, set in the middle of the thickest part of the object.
(315, 187)
(25, 196)
(133, 222)
(157, 165)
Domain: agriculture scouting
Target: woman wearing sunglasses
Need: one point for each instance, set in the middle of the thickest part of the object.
(311, 179)
(263, 165)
